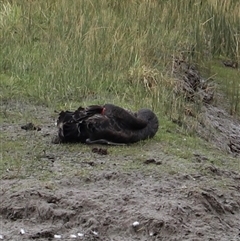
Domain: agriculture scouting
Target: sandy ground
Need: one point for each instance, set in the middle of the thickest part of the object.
(143, 195)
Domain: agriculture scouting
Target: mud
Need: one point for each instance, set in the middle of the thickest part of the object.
(106, 206)
(214, 123)
(220, 128)
(147, 195)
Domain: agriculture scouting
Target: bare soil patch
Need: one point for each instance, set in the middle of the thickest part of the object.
(148, 195)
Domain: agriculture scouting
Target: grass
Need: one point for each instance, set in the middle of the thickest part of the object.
(65, 53)
(229, 83)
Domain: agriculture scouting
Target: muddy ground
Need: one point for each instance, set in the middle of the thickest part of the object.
(68, 192)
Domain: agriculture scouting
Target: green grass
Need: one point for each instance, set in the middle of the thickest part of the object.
(229, 83)
(67, 51)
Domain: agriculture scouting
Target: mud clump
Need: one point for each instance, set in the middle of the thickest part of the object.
(30, 127)
(100, 151)
(152, 161)
(190, 83)
(46, 234)
(230, 63)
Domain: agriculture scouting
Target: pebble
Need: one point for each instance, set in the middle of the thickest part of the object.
(135, 224)
(73, 236)
(57, 236)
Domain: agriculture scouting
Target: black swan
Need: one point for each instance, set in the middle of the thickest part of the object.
(107, 124)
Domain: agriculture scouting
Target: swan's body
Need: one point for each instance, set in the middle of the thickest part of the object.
(107, 124)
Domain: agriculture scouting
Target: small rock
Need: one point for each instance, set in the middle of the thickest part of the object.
(22, 231)
(57, 236)
(135, 224)
(73, 236)
(1, 236)
(80, 234)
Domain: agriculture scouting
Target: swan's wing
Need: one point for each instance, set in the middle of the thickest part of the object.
(64, 116)
(105, 130)
(84, 113)
(123, 118)
(71, 125)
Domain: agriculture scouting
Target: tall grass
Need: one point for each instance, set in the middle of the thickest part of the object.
(63, 51)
